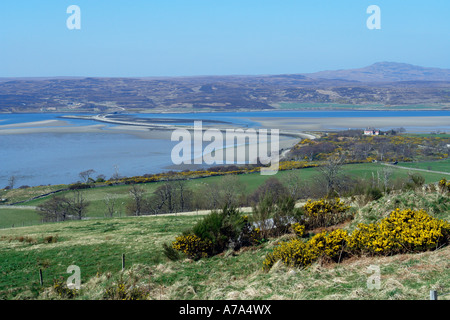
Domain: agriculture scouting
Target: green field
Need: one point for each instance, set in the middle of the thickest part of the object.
(18, 217)
(442, 165)
(27, 216)
(96, 246)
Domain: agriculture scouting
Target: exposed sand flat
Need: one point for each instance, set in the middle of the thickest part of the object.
(44, 123)
(354, 123)
(57, 126)
(242, 152)
(51, 129)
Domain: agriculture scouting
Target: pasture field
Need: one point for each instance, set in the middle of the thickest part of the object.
(96, 246)
(24, 214)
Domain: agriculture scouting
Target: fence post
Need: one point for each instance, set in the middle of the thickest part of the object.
(433, 295)
(123, 261)
(41, 279)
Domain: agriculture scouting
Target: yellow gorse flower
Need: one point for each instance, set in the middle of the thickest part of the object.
(402, 231)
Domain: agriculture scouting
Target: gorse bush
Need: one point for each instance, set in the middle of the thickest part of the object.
(325, 212)
(217, 232)
(330, 244)
(298, 229)
(62, 290)
(403, 231)
(193, 246)
(294, 253)
(298, 253)
(444, 185)
(123, 291)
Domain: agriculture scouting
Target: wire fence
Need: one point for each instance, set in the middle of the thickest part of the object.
(434, 294)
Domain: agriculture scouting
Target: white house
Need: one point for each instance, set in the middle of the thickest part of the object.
(371, 132)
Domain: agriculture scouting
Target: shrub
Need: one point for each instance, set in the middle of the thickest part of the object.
(50, 239)
(297, 253)
(171, 253)
(123, 291)
(193, 246)
(275, 219)
(373, 194)
(78, 186)
(285, 213)
(330, 244)
(294, 253)
(402, 231)
(415, 181)
(325, 212)
(61, 289)
(261, 216)
(444, 185)
(217, 232)
(298, 229)
(272, 188)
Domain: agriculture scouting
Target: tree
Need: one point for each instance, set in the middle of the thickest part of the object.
(110, 203)
(384, 177)
(165, 198)
(293, 184)
(100, 178)
(55, 209)
(230, 191)
(86, 175)
(11, 182)
(136, 205)
(331, 172)
(116, 175)
(206, 196)
(77, 204)
(272, 189)
(183, 196)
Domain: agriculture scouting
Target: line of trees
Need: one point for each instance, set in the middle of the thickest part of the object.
(330, 181)
(63, 207)
(177, 195)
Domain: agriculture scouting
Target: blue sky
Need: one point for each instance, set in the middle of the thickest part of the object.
(121, 38)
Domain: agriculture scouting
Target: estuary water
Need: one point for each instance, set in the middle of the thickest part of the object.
(57, 157)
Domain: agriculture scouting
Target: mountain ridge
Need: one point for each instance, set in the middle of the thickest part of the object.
(385, 72)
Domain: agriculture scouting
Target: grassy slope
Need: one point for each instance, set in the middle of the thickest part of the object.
(251, 181)
(442, 165)
(96, 247)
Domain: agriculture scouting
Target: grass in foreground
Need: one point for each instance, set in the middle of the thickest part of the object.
(96, 247)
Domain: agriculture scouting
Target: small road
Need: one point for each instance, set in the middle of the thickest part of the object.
(415, 169)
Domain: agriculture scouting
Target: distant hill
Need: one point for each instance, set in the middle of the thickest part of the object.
(384, 83)
(385, 72)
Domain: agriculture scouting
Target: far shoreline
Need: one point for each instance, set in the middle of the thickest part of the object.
(307, 107)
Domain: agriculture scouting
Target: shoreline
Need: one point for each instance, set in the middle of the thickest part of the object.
(309, 107)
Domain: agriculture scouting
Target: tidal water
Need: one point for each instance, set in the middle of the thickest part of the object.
(57, 158)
